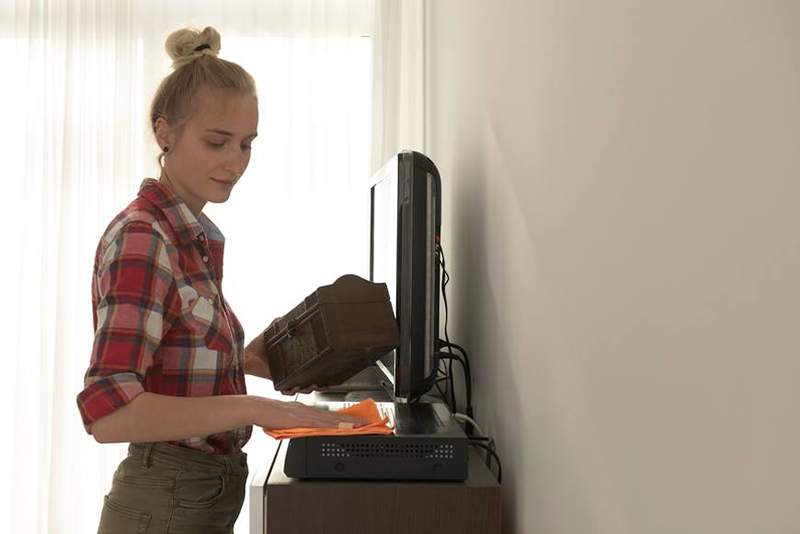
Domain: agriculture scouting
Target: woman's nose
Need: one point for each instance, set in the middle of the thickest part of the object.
(236, 162)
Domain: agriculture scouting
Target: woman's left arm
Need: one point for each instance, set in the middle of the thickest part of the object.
(255, 363)
(255, 358)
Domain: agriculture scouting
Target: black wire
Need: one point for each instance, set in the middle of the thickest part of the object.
(467, 380)
(456, 346)
(447, 344)
(443, 394)
(449, 373)
(459, 348)
(467, 371)
(452, 385)
(443, 377)
(445, 280)
(447, 355)
(440, 390)
(494, 455)
(449, 377)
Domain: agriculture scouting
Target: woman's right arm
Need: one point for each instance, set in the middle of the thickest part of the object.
(153, 417)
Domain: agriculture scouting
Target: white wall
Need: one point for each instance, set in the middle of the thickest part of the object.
(621, 182)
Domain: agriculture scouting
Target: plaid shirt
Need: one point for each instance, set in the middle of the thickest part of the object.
(161, 322)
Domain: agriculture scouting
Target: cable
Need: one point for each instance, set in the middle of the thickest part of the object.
(440, 389)
(467, 376)
(449, 379)
(459, 348)
(449, 355)
(494, 455)
(467, 371)
(451, 383)
(445, 280)
(464, 417)
(449, 392)
(443, 394)
(483, 436)
(442, 377)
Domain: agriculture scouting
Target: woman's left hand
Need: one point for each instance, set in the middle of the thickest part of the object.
(255, 362)
(255, 356)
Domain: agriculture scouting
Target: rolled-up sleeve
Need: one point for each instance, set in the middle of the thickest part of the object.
(135, 302)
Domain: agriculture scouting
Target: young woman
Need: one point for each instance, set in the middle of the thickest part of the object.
(168, 360)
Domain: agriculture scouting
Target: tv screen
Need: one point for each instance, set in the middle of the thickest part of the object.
(405, 227)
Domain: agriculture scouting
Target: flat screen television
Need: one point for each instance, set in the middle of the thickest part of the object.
(405, 215)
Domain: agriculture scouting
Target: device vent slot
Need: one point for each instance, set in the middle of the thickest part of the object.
(386, 450)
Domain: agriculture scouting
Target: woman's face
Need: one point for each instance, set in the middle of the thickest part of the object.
(212, 151)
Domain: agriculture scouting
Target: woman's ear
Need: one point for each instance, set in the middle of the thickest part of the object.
(163, 134)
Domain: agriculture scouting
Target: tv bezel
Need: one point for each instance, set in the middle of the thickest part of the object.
(416, 296)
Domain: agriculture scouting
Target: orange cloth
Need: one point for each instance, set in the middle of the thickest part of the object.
(366, 409)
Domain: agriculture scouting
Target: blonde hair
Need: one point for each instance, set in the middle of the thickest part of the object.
(195, 64)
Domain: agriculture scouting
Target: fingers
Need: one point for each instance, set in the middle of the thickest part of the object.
(311, 416)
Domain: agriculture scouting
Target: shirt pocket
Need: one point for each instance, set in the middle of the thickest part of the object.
(205, 322)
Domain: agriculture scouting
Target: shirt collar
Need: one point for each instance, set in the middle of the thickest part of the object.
(187, 227)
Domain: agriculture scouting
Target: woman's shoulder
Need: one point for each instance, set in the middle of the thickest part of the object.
(139, 215)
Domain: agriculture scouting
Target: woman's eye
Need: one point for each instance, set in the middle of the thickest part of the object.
(220, 145)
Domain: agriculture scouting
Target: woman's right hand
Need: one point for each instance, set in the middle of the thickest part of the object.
(273, 414)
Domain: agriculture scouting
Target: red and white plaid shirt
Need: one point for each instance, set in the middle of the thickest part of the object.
(161, 322)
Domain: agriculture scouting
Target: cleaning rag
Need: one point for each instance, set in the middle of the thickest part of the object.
(366, 409)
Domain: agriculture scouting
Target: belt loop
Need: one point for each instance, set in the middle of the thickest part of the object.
(148, 448)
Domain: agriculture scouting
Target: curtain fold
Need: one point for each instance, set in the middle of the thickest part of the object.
(76, 146)
(398, 80)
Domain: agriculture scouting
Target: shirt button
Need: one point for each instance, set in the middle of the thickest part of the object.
(205, 259)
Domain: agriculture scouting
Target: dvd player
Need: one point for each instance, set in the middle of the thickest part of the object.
(427, 444)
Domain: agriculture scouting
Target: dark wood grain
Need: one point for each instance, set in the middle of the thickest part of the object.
(374, 507)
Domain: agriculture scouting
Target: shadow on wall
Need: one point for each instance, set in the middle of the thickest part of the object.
(477, 323)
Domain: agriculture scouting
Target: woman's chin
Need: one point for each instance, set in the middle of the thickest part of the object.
(218, 200)
(218, 197)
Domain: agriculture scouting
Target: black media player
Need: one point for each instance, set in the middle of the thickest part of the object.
(427, 444)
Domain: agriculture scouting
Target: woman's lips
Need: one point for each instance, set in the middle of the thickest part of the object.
(223, 182)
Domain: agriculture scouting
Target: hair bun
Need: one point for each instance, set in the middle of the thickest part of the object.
(182, 45)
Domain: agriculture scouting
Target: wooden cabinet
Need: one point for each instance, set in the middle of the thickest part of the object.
(281, 505)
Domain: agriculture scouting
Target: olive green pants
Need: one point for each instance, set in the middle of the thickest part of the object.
(160, 488)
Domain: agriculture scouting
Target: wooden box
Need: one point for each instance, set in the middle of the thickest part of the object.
(336, 331)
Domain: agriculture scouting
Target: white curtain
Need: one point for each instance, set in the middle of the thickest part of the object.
(399, 78)
(75, 146)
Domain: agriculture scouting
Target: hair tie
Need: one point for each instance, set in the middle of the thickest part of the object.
(202, 47)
